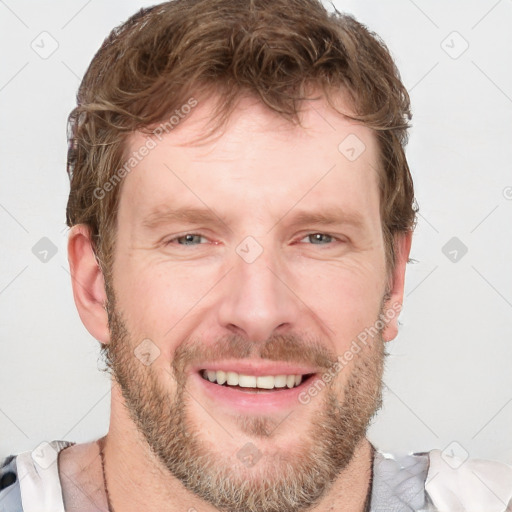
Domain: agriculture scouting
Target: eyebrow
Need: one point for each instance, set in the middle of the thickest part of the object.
(293, 218)
(326, 217)
(161, 216)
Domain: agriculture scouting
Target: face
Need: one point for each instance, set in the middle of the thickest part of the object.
(257, 257)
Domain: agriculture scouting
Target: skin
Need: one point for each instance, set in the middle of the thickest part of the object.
(255, 177)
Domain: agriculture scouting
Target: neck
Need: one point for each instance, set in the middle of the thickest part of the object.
(136, 479)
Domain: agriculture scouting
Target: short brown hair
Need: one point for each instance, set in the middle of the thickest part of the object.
(275, 50)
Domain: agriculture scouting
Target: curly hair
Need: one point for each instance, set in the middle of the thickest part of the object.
(275, 50)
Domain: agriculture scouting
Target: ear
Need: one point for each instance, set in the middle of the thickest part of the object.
(88, 283)
(396, 285)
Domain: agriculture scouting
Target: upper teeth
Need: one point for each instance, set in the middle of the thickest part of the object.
(252, 381)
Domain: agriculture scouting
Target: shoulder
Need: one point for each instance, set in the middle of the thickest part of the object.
(468, 484)
(29, 474)
(435, 480)
(10, 497)
(399, 481)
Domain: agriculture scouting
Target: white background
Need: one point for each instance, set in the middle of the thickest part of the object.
(448, 377)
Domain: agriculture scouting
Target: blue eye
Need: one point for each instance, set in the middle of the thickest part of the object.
(319, 238)
(188, 239)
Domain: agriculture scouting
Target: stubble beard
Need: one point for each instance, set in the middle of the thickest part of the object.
(280, 481)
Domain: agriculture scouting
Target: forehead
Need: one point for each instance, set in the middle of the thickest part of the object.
(259, 160)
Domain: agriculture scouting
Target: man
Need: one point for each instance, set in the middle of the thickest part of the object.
(241, 215)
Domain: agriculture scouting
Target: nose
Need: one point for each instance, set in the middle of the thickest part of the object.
(257, 300)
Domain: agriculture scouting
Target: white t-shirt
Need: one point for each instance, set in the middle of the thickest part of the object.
(429, 482)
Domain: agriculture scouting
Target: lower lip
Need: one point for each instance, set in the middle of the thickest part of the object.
(263, 402)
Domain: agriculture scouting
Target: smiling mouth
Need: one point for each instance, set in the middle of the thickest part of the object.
(253, 383)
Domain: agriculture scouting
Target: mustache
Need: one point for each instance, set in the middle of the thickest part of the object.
(291, 348)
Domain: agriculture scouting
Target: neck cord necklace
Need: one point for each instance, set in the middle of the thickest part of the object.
(367, 504)
(109, 504)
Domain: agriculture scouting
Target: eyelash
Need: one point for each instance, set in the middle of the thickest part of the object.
(169, 242)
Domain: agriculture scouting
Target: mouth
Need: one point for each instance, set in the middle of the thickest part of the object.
(254, 383)
(241, 387)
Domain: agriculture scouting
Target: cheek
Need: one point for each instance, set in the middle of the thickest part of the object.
(156, 296)
(345, 296)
